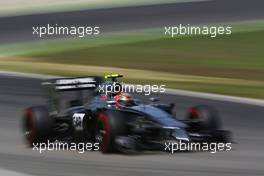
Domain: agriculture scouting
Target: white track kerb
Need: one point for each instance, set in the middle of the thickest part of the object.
(233, 99)
(11, 173)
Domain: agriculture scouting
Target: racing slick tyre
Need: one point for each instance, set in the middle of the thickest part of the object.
(37, 124)
(204, 118)
(109, 126)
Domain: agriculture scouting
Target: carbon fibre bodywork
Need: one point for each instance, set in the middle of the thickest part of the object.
(140, 126)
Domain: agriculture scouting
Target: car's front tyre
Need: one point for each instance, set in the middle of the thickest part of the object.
(204, 118)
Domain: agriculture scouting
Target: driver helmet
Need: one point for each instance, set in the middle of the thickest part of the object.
(124, 100)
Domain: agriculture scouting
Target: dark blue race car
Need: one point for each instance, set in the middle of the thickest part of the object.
(115, 120)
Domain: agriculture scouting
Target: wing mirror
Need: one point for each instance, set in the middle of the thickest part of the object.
(153, 99)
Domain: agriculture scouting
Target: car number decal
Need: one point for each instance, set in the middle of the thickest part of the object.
(78, 121)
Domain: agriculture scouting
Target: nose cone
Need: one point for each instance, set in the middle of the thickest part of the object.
(159, 116)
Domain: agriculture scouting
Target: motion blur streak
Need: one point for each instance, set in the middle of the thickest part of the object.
(130, 18)
(244, 120)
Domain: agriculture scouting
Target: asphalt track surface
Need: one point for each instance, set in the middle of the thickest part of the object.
(19, 28)
(245, 121)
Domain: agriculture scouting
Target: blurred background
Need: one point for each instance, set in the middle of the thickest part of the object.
(132, 39)
(132, 42)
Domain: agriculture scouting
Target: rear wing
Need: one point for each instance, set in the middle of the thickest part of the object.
(70, 84)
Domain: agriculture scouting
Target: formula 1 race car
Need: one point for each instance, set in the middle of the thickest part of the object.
(115, 120)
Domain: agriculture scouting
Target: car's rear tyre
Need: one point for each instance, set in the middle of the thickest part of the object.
(109, 127)
(204, 118)
(37, 124)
